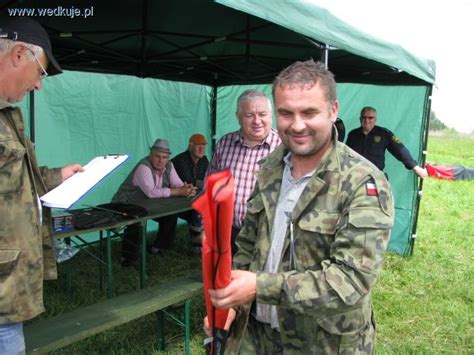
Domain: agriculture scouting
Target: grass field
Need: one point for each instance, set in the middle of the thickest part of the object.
(423, 304)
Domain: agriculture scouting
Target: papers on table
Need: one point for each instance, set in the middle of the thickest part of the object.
(71, 190)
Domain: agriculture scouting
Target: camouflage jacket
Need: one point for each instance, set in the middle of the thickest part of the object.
(26, 249)
(341, 228)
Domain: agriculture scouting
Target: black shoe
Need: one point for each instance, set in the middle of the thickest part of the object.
(130, 263)
(155, 251)
(196, 250)
(195, 238)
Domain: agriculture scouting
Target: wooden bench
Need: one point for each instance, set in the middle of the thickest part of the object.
(46, 335)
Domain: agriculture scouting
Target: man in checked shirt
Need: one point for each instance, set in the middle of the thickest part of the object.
(240, 151)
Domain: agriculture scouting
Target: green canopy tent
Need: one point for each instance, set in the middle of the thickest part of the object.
(205, 53)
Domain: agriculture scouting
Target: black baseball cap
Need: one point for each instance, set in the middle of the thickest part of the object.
(25, 29)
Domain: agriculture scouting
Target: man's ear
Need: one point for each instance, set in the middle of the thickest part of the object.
(18, 55)
(238, 118)
(334, 111)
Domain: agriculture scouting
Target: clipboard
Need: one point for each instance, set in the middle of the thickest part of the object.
(78, 185)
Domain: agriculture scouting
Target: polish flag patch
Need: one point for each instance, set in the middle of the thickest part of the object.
(371, 189)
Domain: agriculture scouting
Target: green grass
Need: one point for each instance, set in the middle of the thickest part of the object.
(450, 147)
(423, 303)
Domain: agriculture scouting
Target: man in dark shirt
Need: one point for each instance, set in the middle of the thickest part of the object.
(191, 166)
(371, 141)
(341, 129)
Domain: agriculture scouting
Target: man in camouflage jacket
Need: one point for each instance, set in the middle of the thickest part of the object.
(26, 250)
(311, 295)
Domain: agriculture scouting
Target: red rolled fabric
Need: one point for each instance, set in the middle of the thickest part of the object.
(216, 206)
(440, 172)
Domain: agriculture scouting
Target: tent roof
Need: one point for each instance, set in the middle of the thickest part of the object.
(217, 43)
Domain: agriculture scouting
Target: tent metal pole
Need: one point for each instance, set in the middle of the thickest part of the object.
(325, 55)
(426, 128)
(213, 117)
(32, 116)
(247, 46)
(143, 59)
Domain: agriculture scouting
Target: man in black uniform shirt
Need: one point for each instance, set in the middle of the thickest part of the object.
(371, 141)
(341, 129)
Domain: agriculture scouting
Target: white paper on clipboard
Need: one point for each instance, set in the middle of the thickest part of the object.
(72, 189)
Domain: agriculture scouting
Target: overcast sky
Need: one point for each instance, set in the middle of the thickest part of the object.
(439, 30)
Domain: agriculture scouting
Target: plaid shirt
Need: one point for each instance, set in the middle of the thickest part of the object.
(232, 153)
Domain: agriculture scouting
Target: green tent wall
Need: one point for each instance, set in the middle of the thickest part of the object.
(82, 115)
(221, 47)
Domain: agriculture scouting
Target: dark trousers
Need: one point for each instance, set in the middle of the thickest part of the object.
(165, 235)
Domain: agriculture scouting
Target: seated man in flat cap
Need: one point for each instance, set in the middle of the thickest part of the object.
(153, 177)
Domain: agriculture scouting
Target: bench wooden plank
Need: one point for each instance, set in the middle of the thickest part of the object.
(50, 334)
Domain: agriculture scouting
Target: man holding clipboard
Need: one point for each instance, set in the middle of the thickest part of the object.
(26, 251)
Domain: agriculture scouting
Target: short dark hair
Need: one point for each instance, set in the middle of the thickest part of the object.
(307, 74)
(367, 108)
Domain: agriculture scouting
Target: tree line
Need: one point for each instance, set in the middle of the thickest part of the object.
(435, 123)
